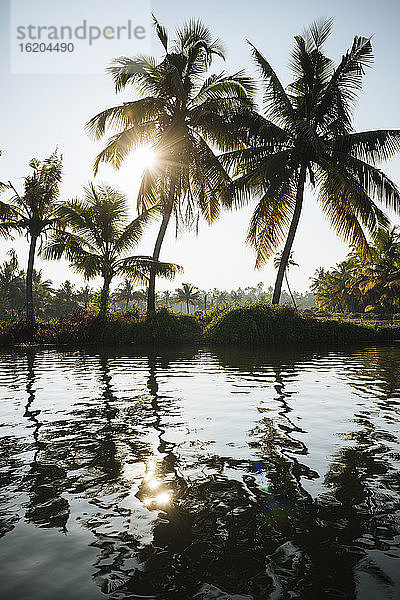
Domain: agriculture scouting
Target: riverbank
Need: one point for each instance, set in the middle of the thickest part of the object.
(253, 325)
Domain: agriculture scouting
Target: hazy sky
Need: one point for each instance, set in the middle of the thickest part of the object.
(39, 112)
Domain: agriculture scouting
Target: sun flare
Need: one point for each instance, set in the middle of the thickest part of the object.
(144, 158)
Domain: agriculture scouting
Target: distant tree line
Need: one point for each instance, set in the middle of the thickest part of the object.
(52, 302)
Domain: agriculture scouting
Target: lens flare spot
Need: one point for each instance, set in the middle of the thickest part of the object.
(144, 157)
(163, 498)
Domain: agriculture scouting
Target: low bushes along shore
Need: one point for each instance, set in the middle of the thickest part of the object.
(256, 324)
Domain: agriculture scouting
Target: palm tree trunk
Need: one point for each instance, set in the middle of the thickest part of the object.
(30, 314)
(105, 293)
(151, 295)
(187, 306)
(292, 232)
(290, 291)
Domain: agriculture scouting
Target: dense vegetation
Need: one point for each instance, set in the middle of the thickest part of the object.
(262, 324)
(213, 150)
(357, 285)
(61, 302)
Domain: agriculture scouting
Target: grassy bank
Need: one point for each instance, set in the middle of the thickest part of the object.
(82, 328)
(256, 325)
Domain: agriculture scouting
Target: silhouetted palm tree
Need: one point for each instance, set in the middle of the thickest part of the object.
(307, 137)
(185, 116)
(187, 293)
(33, 213)
(290, 263)
(99, 237)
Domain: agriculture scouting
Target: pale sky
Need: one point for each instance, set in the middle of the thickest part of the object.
(39, 112)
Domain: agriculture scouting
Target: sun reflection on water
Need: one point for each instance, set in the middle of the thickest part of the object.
(152, 482)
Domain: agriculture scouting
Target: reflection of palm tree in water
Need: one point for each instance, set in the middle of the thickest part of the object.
(172, 485)
(326, 529)
(289, 471)
(46, 480)
(105, 454)
(160, 490)
(367, 489)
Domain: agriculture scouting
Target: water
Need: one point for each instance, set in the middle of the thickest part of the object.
(192, 472)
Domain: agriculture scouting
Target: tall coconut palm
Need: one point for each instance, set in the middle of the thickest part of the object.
(33, 213)
(166, 298)
(307, 138)
(100, 235)
(185, 115)
(189, 294)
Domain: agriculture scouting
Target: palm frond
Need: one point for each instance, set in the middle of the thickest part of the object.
(125, 115)
(349, 208)
(277, 101)
(345, 82)
(138, 268)
(221, 86)
(120, 145)
(161, 33)
(371, 146)
(270, 220)
(370, 179)
(142, 72)
(72, 247)
(133, 232)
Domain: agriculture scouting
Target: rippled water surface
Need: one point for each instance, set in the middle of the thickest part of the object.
(198, 473)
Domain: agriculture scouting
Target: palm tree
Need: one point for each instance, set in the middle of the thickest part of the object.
(99, 238)
(236, 297)
(42, 292)
(290, 263)
(189, 294)
(33, 213)
(140, 298)
(184, 115)
(219, 297)
(318, 279)
(307, 137)
(11, 285)
(66, 298)
(125, 293)
(382, 275)
(85, 295)
(166, 298)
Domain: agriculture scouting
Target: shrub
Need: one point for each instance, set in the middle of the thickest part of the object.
(266, 324)
(84, 328)
(253, 324)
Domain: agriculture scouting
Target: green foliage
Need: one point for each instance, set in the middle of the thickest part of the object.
(258, 324)
(274, 325)
(307, 137)
(184, 113)
(359, 286)
(83, 327)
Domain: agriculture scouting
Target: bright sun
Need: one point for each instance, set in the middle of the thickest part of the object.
(144, 158)
(129, 175)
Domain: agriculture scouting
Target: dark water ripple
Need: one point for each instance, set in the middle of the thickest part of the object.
(128, 475)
